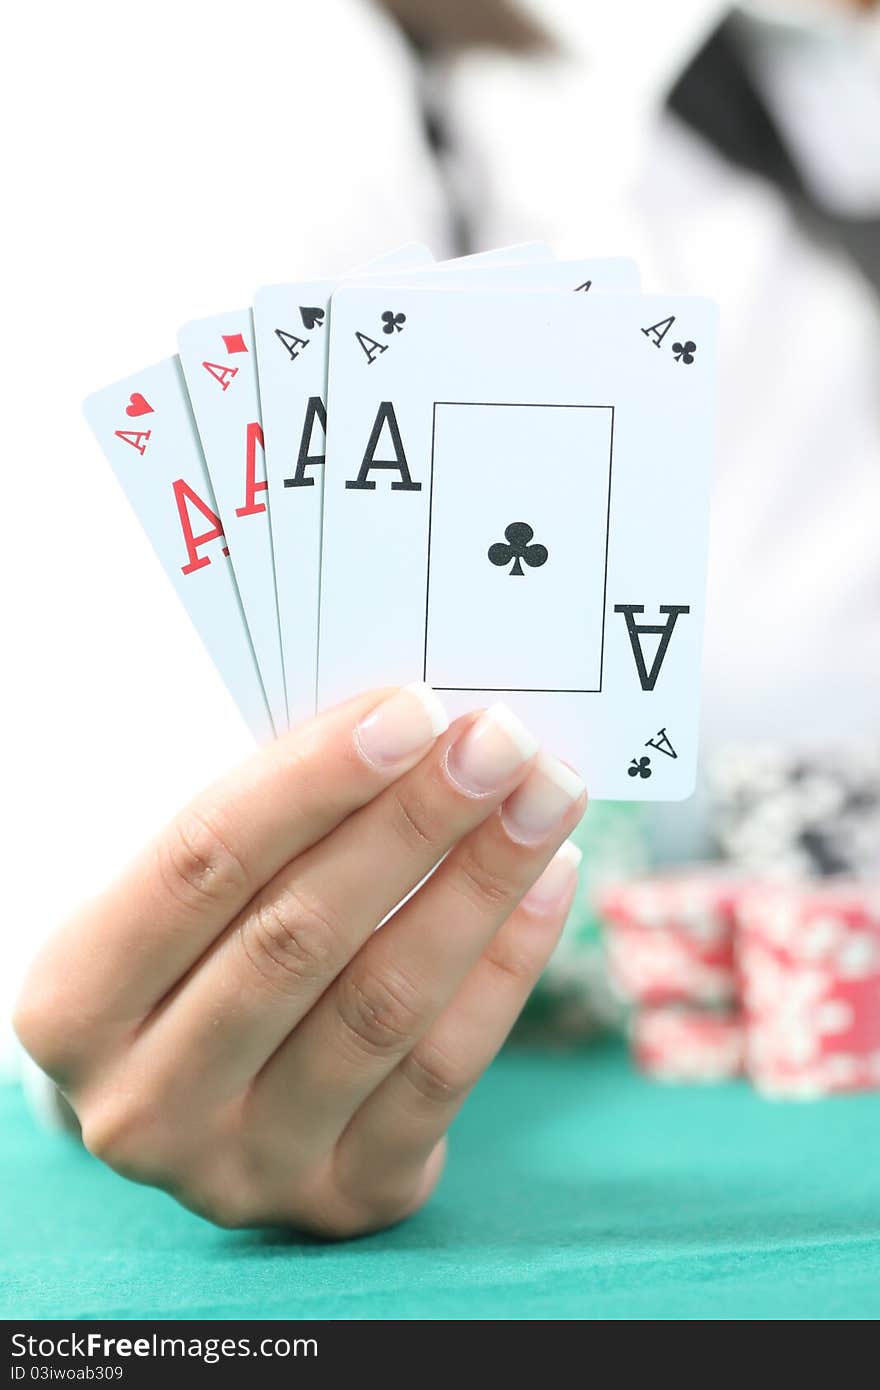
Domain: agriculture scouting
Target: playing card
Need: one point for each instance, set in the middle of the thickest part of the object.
(145, 428)
(287, 321)
(516, 507)
(219, 361)
(219, 364)
(599, 275)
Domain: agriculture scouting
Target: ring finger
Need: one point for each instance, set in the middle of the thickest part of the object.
(395, 1133)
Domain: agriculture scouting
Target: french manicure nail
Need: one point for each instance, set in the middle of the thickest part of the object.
(556, 881)
(542, 799)
(490, 751)
(402, 726)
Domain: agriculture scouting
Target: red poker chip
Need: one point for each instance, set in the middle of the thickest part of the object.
(812, 921)
(702, 899)
(664, 966)
(681, 1044)
(809, 961)
(670, 938)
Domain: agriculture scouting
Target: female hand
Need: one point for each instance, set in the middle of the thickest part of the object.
(228, 1023)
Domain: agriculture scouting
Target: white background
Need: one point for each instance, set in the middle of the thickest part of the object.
(159, 163)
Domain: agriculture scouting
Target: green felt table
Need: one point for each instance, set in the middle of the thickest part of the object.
(575, 1189)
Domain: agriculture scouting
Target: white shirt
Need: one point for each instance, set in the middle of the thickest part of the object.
(561, 149)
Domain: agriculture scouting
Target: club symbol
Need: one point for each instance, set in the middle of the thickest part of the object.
(684, 352)
(392, 323)
(518, 535)
(639, 767)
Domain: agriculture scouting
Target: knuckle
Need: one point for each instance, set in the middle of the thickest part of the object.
(196, 863)
(228, 1214)
(487, 887)
(124, 1131)
(515, 955)
(137, 1134)
(435, 1077)
(384, 1208)
(333, 1218)
(380, 1013)
(341, 1202)
(36, 1027)
(343, 1218)
(288, 940)
(44, 1021)
(335, 1223)
(302, 761)
(226, 1203)
(414, 820)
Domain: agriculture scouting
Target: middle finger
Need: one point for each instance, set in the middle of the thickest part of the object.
(407, 973)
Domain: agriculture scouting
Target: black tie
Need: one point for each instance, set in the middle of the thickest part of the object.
(717, 97)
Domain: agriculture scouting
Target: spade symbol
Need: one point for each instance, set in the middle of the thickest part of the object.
(312, 318)
(518, 548)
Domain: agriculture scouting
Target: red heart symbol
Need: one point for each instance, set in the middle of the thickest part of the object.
(138, 405)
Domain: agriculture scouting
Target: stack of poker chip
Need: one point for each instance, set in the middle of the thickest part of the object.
(670, 950)
(786, 815)
(728, 975)
(809, 959)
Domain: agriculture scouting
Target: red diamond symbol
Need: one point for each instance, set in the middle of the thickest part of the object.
(234, 343)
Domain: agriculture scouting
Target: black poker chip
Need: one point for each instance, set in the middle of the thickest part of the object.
(793, 816)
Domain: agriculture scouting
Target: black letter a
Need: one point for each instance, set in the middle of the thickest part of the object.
(385, 416)
(648, 679)
(292, 345)
(314, 411)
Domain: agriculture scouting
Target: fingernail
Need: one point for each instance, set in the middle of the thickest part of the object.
(404, 724)
(491, 751)
(542, 799)
(557, 880)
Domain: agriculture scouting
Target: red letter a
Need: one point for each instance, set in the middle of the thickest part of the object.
(184, 495)
(252, 487)
(220, 373)
(136, 438)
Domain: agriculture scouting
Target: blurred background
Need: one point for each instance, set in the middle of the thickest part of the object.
(162, 162)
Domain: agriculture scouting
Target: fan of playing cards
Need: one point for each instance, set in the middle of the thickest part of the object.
(490, 474)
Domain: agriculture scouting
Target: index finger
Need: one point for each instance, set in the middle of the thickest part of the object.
(127, 949)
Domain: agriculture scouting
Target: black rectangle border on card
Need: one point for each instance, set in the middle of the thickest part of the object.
(526, 690)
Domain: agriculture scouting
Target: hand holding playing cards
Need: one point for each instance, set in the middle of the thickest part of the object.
(227, 1022)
